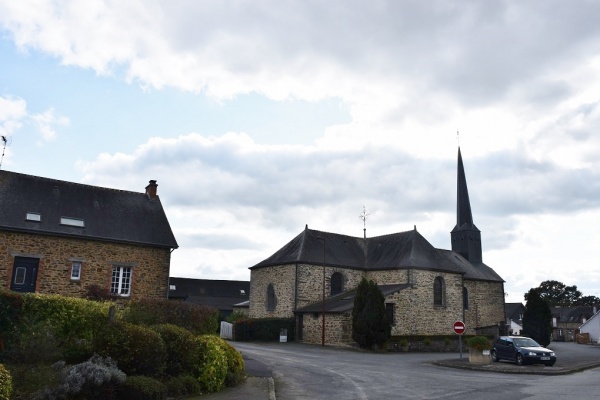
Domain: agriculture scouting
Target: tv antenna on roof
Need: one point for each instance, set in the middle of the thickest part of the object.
(364, 216)
(5, 142)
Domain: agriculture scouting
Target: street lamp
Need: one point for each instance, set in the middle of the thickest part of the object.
(323, 297)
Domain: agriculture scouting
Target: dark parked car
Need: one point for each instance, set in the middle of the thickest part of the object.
(522, 350)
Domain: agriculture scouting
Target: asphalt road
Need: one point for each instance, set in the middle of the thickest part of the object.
(313, 372)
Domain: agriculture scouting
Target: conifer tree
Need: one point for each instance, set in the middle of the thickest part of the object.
(370, 325)
(537, 319)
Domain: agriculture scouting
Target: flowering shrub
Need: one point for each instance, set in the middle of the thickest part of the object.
(212, 369)
(5, 383)
(97, 378)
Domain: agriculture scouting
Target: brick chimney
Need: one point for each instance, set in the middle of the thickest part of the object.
(151, 189)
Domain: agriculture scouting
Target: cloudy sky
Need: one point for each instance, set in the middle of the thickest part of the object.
(259, 117)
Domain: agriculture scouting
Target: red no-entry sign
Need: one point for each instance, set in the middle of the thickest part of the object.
(459, 327)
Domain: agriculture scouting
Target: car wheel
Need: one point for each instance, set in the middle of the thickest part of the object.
(520, 360)
(495, 356)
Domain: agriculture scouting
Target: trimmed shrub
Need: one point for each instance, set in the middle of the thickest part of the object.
(235, 364)
(35, 343)
(143, 388)
(137, 350)
(213, 367)
(11, 312)
(184, 385)
(74, 321)
(196, 318)
(6, 387)
(479, 343)
(181, 358)
(98, 378)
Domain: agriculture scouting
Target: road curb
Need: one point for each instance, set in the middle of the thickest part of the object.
(505, 368)
(272, 389)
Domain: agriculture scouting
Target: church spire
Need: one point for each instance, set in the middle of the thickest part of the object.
(463, 205)
(466, 238)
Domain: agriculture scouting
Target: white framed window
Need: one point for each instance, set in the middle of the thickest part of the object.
(76, 271)
(72, 222)
(120, 283)
(31, 216)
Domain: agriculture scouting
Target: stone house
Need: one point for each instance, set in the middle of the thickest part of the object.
(313, 278)
(567, 320)
(62, 237)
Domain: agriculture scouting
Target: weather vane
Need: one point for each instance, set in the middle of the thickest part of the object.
(364, 216)
(4, 144)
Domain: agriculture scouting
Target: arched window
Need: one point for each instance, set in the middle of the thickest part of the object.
(271, 301)
(438, 291)
(337, 283)
(465, 298)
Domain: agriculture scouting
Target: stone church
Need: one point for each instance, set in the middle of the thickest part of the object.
(314, 277)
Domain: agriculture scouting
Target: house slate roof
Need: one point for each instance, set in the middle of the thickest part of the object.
(403, 250)
(345, 301)
(219, 294)
(574, 314)
(108, 214)
(183, 287)
(514, 310)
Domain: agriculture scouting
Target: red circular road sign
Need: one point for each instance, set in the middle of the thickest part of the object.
(459, 327)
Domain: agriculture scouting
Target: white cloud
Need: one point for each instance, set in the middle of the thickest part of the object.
(45, 123)
(232, 202)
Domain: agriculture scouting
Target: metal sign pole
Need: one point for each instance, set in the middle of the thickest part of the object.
(460, 345)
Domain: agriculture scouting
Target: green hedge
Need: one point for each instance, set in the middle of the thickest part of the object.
(5, 383)
(143, 388)
(180, 344)
(198, 319)
(137, 349)
(263, 329)
(212, 370)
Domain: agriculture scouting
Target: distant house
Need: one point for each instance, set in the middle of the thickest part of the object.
(222, 295)
(567, 320)
(63, 237)
(514, 317)
(592, 326)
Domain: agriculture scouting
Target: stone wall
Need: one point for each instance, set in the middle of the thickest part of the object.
(338, 328)
(56, 254)
(283, 279)
(415, 313)
(486, 305)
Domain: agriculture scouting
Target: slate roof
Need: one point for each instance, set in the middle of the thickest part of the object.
(403, 250)
(514, 310)
(574, 314)
(345, 301)
(181, 288)
(108, 214)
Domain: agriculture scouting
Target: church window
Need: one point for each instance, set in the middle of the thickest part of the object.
(465, 298)
(438, 291)
(337, 283)
(389, 312)
(271, 301)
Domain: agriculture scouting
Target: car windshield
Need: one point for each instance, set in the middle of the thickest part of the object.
(526, 342)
